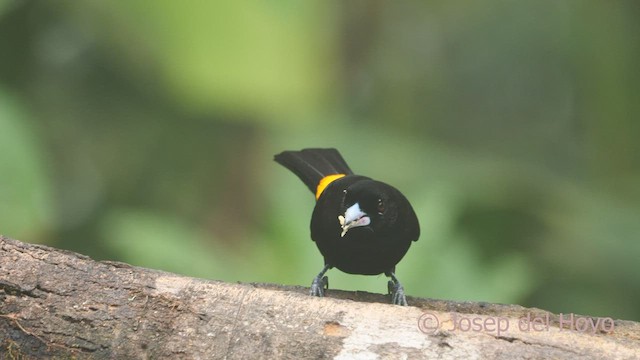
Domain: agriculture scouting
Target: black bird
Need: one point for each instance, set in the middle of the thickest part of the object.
(361, 226)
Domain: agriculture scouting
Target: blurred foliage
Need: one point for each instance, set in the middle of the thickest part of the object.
(25, 194)
(144, 132)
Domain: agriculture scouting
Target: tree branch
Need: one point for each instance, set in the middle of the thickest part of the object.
(55, 303)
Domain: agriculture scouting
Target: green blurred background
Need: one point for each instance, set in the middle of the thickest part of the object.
(144, 132)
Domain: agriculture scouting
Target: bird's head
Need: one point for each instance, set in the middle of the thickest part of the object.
(368, 205)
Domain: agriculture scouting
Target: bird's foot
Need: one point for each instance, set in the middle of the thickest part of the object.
(319, 285)
(396, 290)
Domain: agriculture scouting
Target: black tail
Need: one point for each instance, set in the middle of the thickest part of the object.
(311, 165)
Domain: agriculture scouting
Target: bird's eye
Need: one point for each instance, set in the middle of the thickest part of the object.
(380, 206)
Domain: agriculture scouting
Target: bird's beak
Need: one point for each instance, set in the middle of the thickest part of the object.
(353, 217)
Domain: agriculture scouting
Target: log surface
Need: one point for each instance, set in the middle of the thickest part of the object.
(59, 304)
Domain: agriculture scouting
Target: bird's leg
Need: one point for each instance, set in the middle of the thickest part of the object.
(320, 283)
(396, 290)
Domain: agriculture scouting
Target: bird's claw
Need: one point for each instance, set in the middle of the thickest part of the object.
(396, 290)
(319, 285)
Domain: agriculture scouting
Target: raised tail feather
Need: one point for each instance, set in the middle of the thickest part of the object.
(311, 165)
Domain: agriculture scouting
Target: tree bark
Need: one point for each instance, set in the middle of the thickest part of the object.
(55, 303)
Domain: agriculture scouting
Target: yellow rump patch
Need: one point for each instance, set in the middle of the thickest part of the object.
(325, 181)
